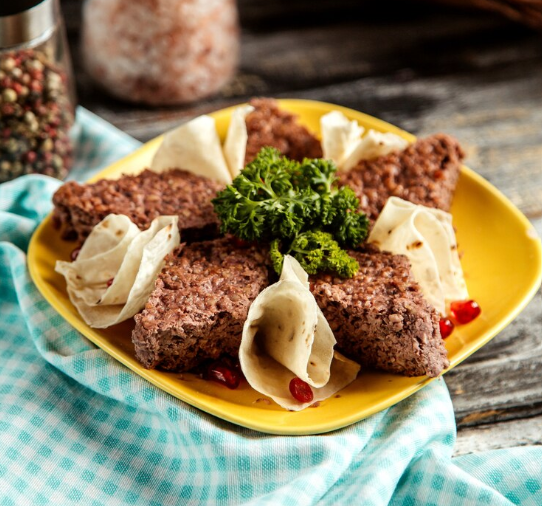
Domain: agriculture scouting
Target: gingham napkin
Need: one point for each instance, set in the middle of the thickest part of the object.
(76, 427)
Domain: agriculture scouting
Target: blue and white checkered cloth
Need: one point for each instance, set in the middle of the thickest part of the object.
(77, 427)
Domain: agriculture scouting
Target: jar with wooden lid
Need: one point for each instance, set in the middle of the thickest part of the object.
(160, 52)
(37, 98)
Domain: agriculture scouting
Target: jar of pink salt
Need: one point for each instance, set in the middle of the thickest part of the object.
(160, 52)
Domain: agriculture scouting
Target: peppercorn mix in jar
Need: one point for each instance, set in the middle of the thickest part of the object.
(36, 98)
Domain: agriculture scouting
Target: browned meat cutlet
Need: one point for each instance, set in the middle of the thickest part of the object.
(201, 300)
(79, 207)
(424, 173)
(268, 125)
(199, 305)
(380, 318)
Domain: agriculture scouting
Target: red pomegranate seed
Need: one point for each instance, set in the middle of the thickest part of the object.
(223, 374)
(446, 327)
(74, 254)
(301, 391)
(464, 311)
(110, 282)
(240, 243)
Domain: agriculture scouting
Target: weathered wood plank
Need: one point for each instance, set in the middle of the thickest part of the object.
(526, 432)
(502, 381)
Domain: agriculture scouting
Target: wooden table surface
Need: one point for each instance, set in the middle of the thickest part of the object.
(425, 68)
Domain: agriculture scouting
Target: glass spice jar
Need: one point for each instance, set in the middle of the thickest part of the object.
(160, 52)
(37, 99)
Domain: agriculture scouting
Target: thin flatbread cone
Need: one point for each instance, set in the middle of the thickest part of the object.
(426, 236)
(114, 274)
(195, 147)
(343, 143)
(287, 336)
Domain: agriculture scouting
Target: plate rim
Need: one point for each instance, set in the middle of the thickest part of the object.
(156, 379)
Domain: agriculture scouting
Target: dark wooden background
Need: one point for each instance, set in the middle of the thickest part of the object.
(425, 68)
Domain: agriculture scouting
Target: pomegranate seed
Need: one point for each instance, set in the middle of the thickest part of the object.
(74, 254)
(223, 374)
(446, 327)
(110, 282)
(240, 243)
(464, 311)
(301, 391)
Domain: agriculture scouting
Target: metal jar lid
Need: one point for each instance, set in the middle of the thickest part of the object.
(25, 21)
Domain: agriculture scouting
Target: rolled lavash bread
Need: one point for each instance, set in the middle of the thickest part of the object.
(287, 336)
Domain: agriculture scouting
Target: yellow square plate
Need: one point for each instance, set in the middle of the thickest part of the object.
(502, 264)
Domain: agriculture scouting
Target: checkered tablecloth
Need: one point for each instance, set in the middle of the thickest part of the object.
(76, 427)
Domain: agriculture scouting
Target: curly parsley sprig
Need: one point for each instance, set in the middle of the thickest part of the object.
(316, 251)
(298, 209)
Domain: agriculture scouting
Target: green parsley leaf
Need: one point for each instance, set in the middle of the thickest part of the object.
(297, 208)
(317, 251)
